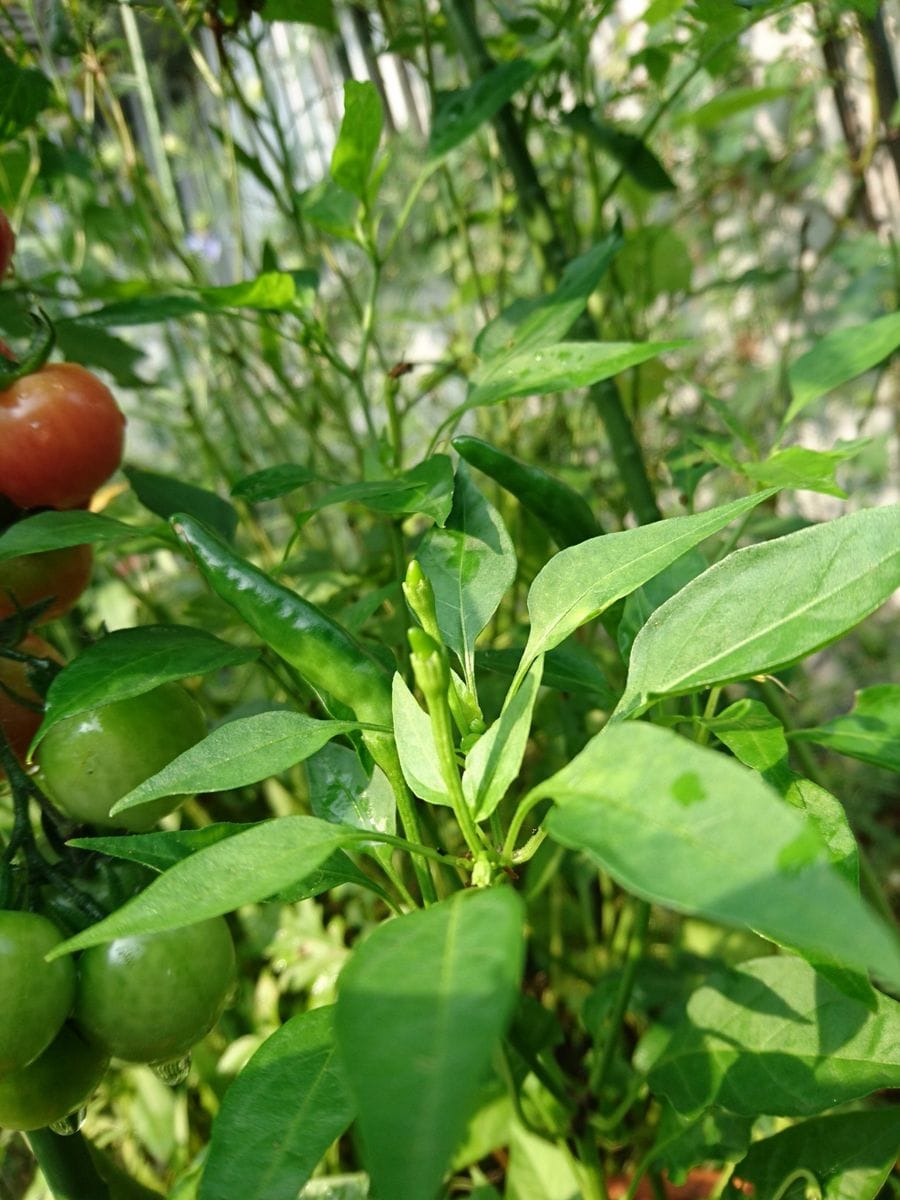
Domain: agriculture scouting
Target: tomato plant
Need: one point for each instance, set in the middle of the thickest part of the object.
(89, 762)
(55, 1084)
(19, 721)
(56, 575)
(149, 998)
(61, 437)
(35, 996)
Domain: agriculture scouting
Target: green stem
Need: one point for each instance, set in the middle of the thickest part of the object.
(410, 822)
(67, 1166)
(634, 952)
(442, 725)
(526, 804)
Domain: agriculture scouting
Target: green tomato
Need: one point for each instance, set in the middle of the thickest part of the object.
(150, 998)
(54, 1085)
(35, 996)
(91, 761)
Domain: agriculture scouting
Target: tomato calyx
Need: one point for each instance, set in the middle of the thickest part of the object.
(38, 352)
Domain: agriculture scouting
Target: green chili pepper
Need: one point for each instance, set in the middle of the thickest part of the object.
(320, 649)
(566, 515)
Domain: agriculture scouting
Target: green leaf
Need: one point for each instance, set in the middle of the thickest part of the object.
(494, 761)
(357, 143)
(459, 114)
(470, 564)
(331, 209)
(166, 496)
(426, 488)
(735, 100)
(850, 1155)
(238, 753)
(54, 530)
(558, 368)
(714, 1136)
(630, 151)
(774, 1037)
(304, 12)
(839, 357)
(287, 1106)
(272, 482)
(688, 828)
(647, 598)
(94, 347)
(129, 662)
(271, 291)
(243, 869)
(539, 1168)
(766, 606)
(869, 732)
(416, 747)
(438, 986)
(581, 582)
(340, 791)
(568, 668)
(532, 324)
(805, 470)
(24, 92)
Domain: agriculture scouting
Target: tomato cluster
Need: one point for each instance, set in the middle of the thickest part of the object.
(141, 999)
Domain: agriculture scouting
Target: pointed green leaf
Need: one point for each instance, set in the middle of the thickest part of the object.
(165, 496)
(766, 606)
(772, 1036)
(360, 133)
(686, 827)
(242, 869)
(457, 115)
(839, 357)
(802, 469)
(341, 792)
(55, 530)
(438, 987)
(494, 761)
(416, 747)
(287, 1106)
(869, 732)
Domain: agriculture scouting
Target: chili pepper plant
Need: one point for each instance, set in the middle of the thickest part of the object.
(604, 928)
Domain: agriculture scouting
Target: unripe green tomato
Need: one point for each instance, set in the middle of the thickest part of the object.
(150, 998)
(54, 1085)
(35, 996)
(89, 762)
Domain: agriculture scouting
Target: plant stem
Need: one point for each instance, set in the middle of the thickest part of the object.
(623, 994)
(526, 804)
(67, 1166)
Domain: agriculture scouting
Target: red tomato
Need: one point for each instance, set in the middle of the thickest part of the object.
(62, 574)
(61, 436)
(19, 722)
(7, 243)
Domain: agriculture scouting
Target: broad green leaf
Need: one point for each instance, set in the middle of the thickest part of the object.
(647, 598)
(850, 1155)
(162, 850)
(304, 12)
(165, 496)
(457, 115)
(242, 869)
(772, 1036)
(272, 482)
(24, 92)
(271, 291)
(630, 151)
(280, 1115)
(416, 747)
(238, 753)
(360, 133)
(560, 367)
(129, 662)
(805, 470)
(439, 987)
(539, 1168)
(531, 324)
(54, 530)
(839, 357)
(579, 583)
(471, 564)
(494, 761)
(340, 791)
(735, 100)
(766, 606)
(331, 208)
(869, 732)
(714, 1136)
(426, 488)
(568, 668)
(686, 827)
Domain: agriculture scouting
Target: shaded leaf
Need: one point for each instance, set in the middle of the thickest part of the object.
(869, 732)
(272, 482)
(165, 496)
(457, 115)
(839, 357)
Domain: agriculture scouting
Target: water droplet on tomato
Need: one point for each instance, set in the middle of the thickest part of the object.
(176, 1070)
(66, 1126)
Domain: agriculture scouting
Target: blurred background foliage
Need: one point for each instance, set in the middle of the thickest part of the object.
(168, 170)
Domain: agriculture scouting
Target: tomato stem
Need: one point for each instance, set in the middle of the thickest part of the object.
(39, 349)
(67, 1166)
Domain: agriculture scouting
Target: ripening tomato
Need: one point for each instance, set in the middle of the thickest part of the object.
(20, 722)
(7, 243)
(53, 1085)
(35, 996)
(60, 574)
(61, 437)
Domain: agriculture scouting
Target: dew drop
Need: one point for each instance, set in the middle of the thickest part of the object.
(66, 1126)
(176, 1070)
